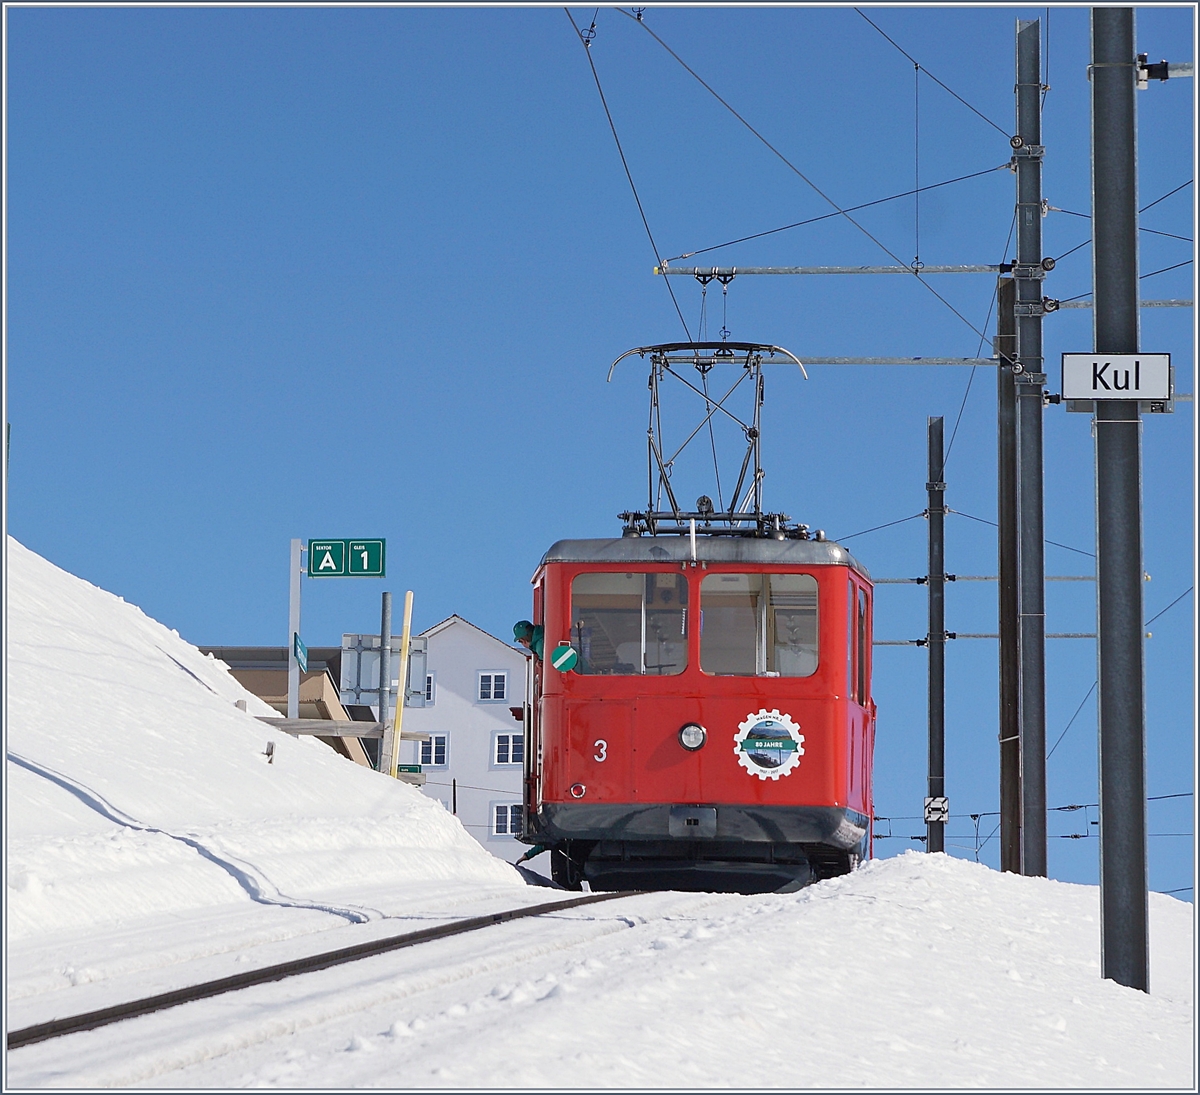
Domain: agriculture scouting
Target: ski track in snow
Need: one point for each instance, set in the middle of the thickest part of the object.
(158, 849)
(256, 885)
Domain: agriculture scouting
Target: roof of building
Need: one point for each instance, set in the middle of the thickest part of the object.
(275, 657)
(429, 632)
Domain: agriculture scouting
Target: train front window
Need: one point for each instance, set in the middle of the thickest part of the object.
(758, 625)
(630, 624)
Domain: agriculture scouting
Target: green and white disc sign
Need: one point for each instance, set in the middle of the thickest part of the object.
(564, 657)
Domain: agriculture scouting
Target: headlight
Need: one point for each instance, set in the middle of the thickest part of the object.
(692, 736)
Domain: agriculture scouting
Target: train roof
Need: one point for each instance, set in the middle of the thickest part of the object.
(709, 549)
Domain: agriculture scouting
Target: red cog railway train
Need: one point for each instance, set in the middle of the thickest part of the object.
(701, 718)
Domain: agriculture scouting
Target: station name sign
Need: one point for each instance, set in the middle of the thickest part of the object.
(1116, 376)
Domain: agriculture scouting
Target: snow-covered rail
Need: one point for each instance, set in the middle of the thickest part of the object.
(41, 1032)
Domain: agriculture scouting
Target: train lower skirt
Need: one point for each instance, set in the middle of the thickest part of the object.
(722, 848)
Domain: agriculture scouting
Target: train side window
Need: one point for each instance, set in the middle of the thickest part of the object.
(630, 624)
(758, 625)
(862, 646)
(851, 603)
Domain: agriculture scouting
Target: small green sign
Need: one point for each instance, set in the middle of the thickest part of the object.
(346, 558)
(414, 768)
(327, 558)
(753, 745)
(301, 653)
(365, 558)
(564, 657)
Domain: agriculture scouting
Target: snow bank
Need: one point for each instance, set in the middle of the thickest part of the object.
(916, 973)
(136, 787)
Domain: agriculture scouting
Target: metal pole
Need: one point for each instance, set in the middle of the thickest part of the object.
(1028, 273)
(935, 811)
(1117, 427)
(1006, 550)
(293, 694)
(385, 658)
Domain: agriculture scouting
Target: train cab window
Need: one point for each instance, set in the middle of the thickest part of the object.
(758, 625)
(630, 624)
(792, 625)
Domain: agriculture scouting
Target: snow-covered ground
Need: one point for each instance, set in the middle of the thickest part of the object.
(150, 845)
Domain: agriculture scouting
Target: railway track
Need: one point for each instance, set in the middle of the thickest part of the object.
(92, 1020)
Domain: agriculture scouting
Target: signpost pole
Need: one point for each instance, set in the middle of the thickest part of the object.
(1117, 428)
(402, 690)
(385, 673)
(293, 694)
(1031, 592)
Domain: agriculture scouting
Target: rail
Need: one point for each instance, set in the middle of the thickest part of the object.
(91, 1020)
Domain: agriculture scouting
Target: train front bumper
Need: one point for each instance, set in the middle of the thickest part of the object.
(831, 826)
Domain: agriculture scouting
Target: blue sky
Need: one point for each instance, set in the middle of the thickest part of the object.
(279, 272)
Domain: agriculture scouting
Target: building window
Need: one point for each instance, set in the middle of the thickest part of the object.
(506, 819)
(493, 686)
(510, 749)
(436, 751)
(430, 689)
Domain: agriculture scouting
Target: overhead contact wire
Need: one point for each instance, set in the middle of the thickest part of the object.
(979, 349)
(1169, 607)
(985, 521)
(1168, 194)
(1096, 682)
(1164, 270)
(939, 83)
(1141, 227)
(849, 209)
(791, 166)
(878, 527)
(625, 164)
(1073, 718)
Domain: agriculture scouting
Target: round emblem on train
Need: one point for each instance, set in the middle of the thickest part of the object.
(768, 744)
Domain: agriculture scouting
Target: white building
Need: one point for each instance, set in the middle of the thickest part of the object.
(474, 713)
